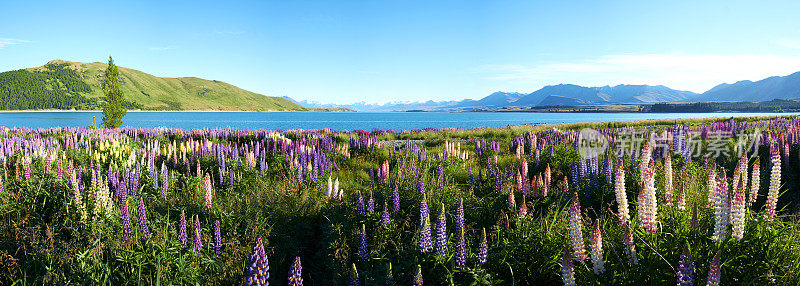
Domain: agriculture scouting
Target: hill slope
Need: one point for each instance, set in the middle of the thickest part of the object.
(776, 87)
(72, 85)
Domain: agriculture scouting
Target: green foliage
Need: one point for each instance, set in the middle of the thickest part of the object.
(53, 87)
(113, 111)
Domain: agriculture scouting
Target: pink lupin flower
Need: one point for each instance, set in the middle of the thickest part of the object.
(774, 186)
(712, 186)
(512, 205)
(755, 182)
(567, 270)
(647, 204)
(668, 180)
(622, 198)
(596, 243)
(576, 229)
(682, 198)
(714, 274)
(546, 180)
(208, 194)
(630, 247)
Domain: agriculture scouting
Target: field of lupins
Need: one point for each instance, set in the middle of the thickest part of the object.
(689, 205)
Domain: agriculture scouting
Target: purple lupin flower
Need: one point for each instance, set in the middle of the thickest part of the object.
(425, 227)
(385, 214)
(143, 219)
(441, 234)
(363, 251)
(126, 222)
(296, 273)
(395, 201)
(686, 268)
(360, 204)
(164, 179)
(421, 185)
(217, 238)
(461, 247)
(441, 176)
(353, 281)
(418, 276)
(182, 229)
(483, 249)
(198, 243)
(370, 204)
(257, 272)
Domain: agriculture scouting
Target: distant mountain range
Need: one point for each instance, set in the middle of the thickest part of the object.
(776, 87)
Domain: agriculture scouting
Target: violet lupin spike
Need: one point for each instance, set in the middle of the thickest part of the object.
(363, 251)
(217, 238)
(483, 248)
(143, 220)
(257, 272)
(567, 270)
(296, 273)
(182, 229)
(198, 243)
(441, 234)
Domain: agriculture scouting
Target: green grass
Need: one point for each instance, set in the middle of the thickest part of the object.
(183, 93)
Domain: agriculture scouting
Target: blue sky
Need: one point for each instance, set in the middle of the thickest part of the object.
(381, 51)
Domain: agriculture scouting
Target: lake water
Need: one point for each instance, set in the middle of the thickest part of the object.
(332, 120)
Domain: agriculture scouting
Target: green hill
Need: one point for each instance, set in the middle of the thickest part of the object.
(72, 85)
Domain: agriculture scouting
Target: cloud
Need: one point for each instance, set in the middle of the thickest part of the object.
(693, 72)
(166, 48)
(4, 42)
(789, 43)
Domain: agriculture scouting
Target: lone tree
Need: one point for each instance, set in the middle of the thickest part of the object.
(113, 112)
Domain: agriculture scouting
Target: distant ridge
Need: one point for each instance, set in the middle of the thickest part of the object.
(73, 85)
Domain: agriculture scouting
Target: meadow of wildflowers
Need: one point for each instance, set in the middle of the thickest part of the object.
(693, 202)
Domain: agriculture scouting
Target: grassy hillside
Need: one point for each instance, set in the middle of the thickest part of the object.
(72, 85)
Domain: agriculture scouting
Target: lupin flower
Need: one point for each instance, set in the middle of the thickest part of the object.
(208, 195)
(596, 243)
(668, 179)
(385, 214)
(737, 212)
(126, 222)
(217, 238)
(353, 281)
(425, 227)
(441, 234)
(712, 186)
(567, 270)
(576, 228)
(483, 248)
(164, 179)
(421, 185)
(296, 273)
(257, 266)
(363, 251)
(774, 186)
(647, 205)
(395, 200)
(630, 247)
(755, 182)
(197, 239)
(622, 198)
(370, 204)
(360, 204)
(721, 211)
(143, 219)
(714, 271)
(182, 229)
(686, 269)
(389, 279)
(418, 276)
